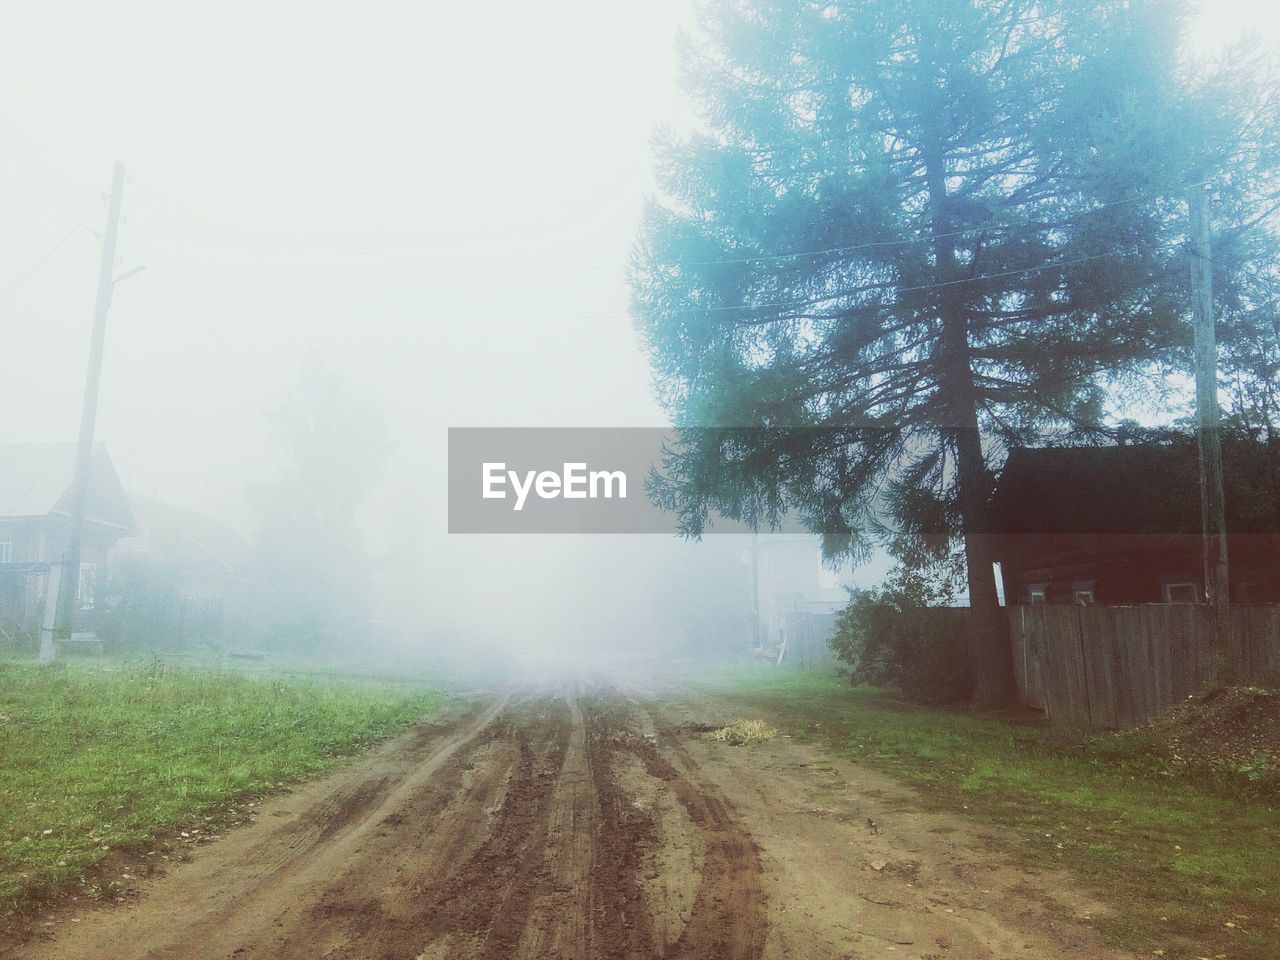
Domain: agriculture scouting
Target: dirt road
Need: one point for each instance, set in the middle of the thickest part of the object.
(584, 818)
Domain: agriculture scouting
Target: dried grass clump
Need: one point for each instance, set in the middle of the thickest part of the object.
(744, 732)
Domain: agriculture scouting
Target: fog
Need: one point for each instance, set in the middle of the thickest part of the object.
(435, 204)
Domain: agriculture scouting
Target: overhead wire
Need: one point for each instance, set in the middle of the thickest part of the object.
(51, 251)
(725, 261)
(747, 308)
(195, 309)
(833, 295)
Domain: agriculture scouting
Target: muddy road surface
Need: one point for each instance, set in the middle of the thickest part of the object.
(585, 818)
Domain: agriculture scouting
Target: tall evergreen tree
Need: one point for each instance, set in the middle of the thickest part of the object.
(931, 228)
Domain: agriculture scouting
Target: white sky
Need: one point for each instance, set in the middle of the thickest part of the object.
(268, 144)
(280, 139)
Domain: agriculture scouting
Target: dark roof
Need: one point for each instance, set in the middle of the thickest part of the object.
(1131, 489)
(35, 481)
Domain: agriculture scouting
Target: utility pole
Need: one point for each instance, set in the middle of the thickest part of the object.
(1213, 516)
(62, 591)
(755, 591)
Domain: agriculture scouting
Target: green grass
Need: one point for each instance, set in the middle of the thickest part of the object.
(96, 763)
(1188, 863)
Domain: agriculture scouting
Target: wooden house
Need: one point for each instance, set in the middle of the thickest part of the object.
(1121, 524)
(35, 498)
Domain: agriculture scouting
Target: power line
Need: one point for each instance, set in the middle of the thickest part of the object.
(763, 258)
(413, 301)
(381, 254)
(781, 304)
(200, 324)
(841, 294)
(352, 295)
(28, 197)
(902, 242)
(747, 308)
(365, 297)
(42, 153)
(51, 251)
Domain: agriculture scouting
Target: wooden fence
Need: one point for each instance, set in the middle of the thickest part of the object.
(1119, 666)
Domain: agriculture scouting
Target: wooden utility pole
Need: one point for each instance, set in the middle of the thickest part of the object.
(1213, 515)
(756, 641)
(62, 591)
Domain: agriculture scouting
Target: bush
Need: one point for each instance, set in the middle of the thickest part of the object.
(897, 635)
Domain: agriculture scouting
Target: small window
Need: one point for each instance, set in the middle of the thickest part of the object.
(88, 581)
(1038, 593)
(1082, 592)
(1184, 592)
(6, 551)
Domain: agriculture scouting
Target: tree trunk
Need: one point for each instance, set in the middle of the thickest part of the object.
(990, 655)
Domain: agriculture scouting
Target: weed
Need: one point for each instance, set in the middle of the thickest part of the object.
(744, 732)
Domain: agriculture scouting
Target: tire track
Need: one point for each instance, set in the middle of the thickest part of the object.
(729, 918)
(620, 924)
(559, 923)
(483, 907)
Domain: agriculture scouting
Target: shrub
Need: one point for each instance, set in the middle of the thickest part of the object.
(898, 635)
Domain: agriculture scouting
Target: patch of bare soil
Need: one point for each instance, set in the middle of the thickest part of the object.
(855, 867)
(576, 820)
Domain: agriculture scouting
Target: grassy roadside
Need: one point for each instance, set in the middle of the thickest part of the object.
(96, 763)
(1190, 864)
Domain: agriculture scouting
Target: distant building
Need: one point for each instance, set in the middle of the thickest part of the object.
(793, 579)
(798, 596)
(210, 568)
(35, 512)
(1121, 524)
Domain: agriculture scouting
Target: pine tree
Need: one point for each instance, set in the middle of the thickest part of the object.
(926, 230)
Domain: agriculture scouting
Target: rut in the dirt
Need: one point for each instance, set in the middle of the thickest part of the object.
(728, 916)
(455, 871)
